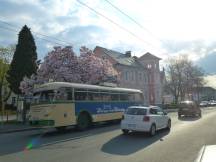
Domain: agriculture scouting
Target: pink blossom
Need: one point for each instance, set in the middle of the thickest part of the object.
(62, 64)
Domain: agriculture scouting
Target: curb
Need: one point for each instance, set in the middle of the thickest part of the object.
(17, 130)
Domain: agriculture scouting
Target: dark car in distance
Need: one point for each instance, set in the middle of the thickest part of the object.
(189, 108)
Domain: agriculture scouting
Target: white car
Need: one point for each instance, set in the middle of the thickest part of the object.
(207, 154)
(204, 103)
(145, 119)
(212, 103)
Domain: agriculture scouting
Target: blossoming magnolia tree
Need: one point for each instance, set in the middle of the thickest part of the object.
(94, 69)
(62, 64)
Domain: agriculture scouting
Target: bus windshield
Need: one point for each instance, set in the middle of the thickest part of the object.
(44, 96)
(61, 94)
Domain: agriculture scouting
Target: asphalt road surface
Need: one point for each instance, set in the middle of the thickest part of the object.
(105, 143)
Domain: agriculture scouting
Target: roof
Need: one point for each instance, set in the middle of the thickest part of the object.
(56, 85)
(140, 107)
(149, 56)
(120, 57)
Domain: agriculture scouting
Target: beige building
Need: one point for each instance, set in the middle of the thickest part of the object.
(140, 73)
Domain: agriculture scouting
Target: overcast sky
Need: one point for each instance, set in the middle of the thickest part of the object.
(168, 27)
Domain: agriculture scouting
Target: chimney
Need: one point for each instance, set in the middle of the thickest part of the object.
(128, 53)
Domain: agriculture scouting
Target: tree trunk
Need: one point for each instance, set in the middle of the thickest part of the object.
(176, 99)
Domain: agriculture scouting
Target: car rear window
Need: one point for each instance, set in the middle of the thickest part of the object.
(184, 105)
(136, 111)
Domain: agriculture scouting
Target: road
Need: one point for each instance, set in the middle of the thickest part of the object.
(106, 143)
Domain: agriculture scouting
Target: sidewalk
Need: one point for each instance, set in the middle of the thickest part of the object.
(15, 127)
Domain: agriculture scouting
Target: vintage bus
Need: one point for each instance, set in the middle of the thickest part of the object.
(60, 104)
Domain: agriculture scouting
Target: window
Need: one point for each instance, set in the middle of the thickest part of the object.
(153, 111)
(69, 93)
(124, 97)
(132, 75)
(149, 66)
(126, 75)
(136, 111)
(64, 94)
(45, 95)
(105, 95)
(94, 95)
(114, 97)
(80, 94)
(159, 111)
(36, 97)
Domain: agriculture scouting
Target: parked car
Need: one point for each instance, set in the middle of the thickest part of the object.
(212, 103)
(145, 119)
(207, 154)
(204, 103)
(188, 108)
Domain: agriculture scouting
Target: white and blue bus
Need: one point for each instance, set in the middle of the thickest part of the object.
(60, 104)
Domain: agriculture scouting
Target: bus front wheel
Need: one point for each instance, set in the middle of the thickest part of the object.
(83, 121)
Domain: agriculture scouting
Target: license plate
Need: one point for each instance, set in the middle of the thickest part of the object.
(131, 125)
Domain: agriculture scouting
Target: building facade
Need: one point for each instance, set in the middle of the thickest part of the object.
(139, 73)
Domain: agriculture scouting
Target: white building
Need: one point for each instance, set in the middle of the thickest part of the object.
(140, 73)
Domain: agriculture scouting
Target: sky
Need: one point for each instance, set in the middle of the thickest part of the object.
(165, 28)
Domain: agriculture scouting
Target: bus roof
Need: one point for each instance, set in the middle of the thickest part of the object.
(56, 85)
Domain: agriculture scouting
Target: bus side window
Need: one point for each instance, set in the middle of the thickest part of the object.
(114, 97)
(94, 95)
(80, 95)
(64, 94)
(123, 97)
(69, 93)
(105, 96)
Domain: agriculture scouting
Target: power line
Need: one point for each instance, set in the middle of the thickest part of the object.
(132, 19)
(37, 33)
(113, 22)
(16, 31)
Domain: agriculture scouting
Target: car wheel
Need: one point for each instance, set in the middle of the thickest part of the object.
(152, 131)
(125, 131)
(179, 115)
(169, 124)
(200, 115)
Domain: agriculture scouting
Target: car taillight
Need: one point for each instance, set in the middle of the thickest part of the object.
(122, 117)
(146, 118)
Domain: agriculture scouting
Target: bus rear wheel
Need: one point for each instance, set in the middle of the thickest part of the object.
(83, 121)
